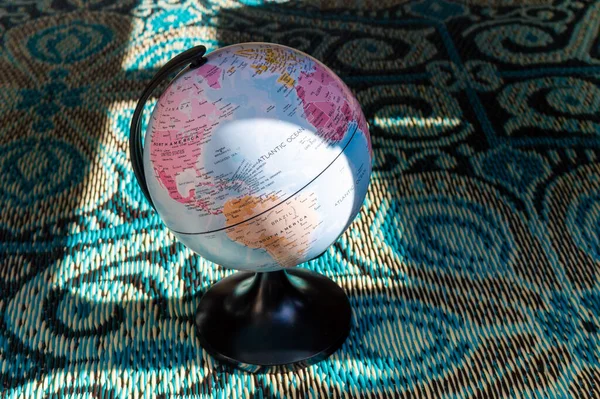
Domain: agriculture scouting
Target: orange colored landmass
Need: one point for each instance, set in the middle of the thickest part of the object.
(260, 68)
(268, 58)
(285, 231)
(286, 80)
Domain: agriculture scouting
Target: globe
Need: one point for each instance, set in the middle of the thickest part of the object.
(259, 159)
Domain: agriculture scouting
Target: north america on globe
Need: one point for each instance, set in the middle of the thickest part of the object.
(247, 157)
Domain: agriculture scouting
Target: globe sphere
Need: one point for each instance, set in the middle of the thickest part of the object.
(259, 159)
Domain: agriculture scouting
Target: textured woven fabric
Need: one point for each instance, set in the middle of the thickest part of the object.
(472, 269)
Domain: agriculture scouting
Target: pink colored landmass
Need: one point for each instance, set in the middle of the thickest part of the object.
(212, 74)
(171, 186)
(171, 157)
(178, 129)
(325, 103)
(182, 120)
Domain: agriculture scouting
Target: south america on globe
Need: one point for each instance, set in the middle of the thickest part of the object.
(259, 159)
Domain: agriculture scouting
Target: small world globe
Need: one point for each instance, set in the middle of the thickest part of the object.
(259, 159)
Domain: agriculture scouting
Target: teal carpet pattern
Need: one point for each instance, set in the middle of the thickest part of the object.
(472, 269)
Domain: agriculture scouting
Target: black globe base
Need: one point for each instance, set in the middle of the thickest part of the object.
(276, 321)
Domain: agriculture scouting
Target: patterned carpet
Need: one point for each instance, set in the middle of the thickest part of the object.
(473, 268)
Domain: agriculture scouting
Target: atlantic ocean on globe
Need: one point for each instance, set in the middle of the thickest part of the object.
(259, 159)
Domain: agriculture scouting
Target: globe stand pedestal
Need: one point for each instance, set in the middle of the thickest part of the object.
(275, 321)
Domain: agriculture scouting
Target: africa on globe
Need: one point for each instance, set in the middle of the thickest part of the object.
(259, 159)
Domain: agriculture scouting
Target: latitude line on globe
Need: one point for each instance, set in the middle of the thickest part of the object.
(281, 202)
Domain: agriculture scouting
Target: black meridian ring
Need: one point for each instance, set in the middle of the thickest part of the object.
(195, 58)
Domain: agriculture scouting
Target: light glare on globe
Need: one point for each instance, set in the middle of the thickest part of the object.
(259, 159)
